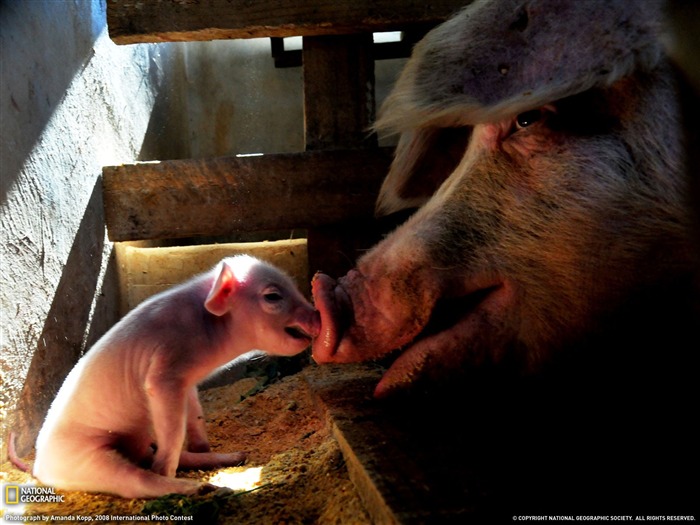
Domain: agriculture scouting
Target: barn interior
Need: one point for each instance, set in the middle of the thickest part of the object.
(144, 141)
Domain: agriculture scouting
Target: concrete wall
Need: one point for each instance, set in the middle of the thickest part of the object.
(71, 101)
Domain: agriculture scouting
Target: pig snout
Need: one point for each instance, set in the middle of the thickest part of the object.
(424, 318)
(354, 327)
(361, 318)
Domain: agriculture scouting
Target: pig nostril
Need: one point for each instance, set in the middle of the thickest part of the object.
(296, 333)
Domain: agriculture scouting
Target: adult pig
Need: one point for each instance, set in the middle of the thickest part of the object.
(128, 415)
(541, 142)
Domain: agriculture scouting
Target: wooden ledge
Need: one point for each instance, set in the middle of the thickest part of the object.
(183, 198)
(136, 21)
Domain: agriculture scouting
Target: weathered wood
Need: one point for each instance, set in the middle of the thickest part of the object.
(404, 456)
(339, 107)
(343, 394)
(182, 198)
(137, 21)
(339, 103)
(380, 50)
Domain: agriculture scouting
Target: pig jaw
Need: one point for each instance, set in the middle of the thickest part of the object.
(377, 309)
(437, 349)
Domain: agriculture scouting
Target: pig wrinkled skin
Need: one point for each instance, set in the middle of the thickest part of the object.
(121, 418)
(541, 143)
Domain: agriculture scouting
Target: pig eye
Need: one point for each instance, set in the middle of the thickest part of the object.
(528, 118)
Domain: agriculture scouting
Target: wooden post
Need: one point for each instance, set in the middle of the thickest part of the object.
(339, 107)
(338, 92)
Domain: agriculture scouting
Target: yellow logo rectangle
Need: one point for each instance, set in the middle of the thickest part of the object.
(11, 494)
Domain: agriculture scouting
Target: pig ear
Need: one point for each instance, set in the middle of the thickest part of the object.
(219, 299)
(424, 158)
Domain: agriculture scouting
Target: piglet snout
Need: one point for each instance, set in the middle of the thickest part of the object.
(307, 324)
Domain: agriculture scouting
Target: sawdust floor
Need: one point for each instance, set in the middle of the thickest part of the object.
(303, 479)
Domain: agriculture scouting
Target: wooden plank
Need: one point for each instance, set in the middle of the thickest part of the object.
(137, 21)
(182, 198)
(489, 447)
(344, 392)
(406, 466)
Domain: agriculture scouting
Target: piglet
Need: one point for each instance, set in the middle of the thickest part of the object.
(124, 414)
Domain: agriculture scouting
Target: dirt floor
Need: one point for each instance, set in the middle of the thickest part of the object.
(302, 475)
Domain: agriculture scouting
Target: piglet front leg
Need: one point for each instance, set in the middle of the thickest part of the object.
(167, 398)
(196, 430)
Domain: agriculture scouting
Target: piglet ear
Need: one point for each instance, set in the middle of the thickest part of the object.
(219, 299)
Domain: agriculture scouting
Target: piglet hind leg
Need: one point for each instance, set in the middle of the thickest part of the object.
(209, 460)
(131, 481)
(198, 454)
(106, 470)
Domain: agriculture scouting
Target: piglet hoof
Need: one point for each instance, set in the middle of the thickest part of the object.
(222, 492)
(164, 469)
(235, 459)
(207, 488)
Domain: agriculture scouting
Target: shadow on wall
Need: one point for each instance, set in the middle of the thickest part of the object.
(69, 318)
(31, 104)
(165, 138)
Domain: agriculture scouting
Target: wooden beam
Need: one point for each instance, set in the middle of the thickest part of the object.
(380, 50)
(138, 21)
(183, 198)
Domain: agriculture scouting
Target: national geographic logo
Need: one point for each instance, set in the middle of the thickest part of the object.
(21, 494)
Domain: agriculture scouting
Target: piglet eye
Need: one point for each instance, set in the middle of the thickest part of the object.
(528, 118)
(272, 295)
